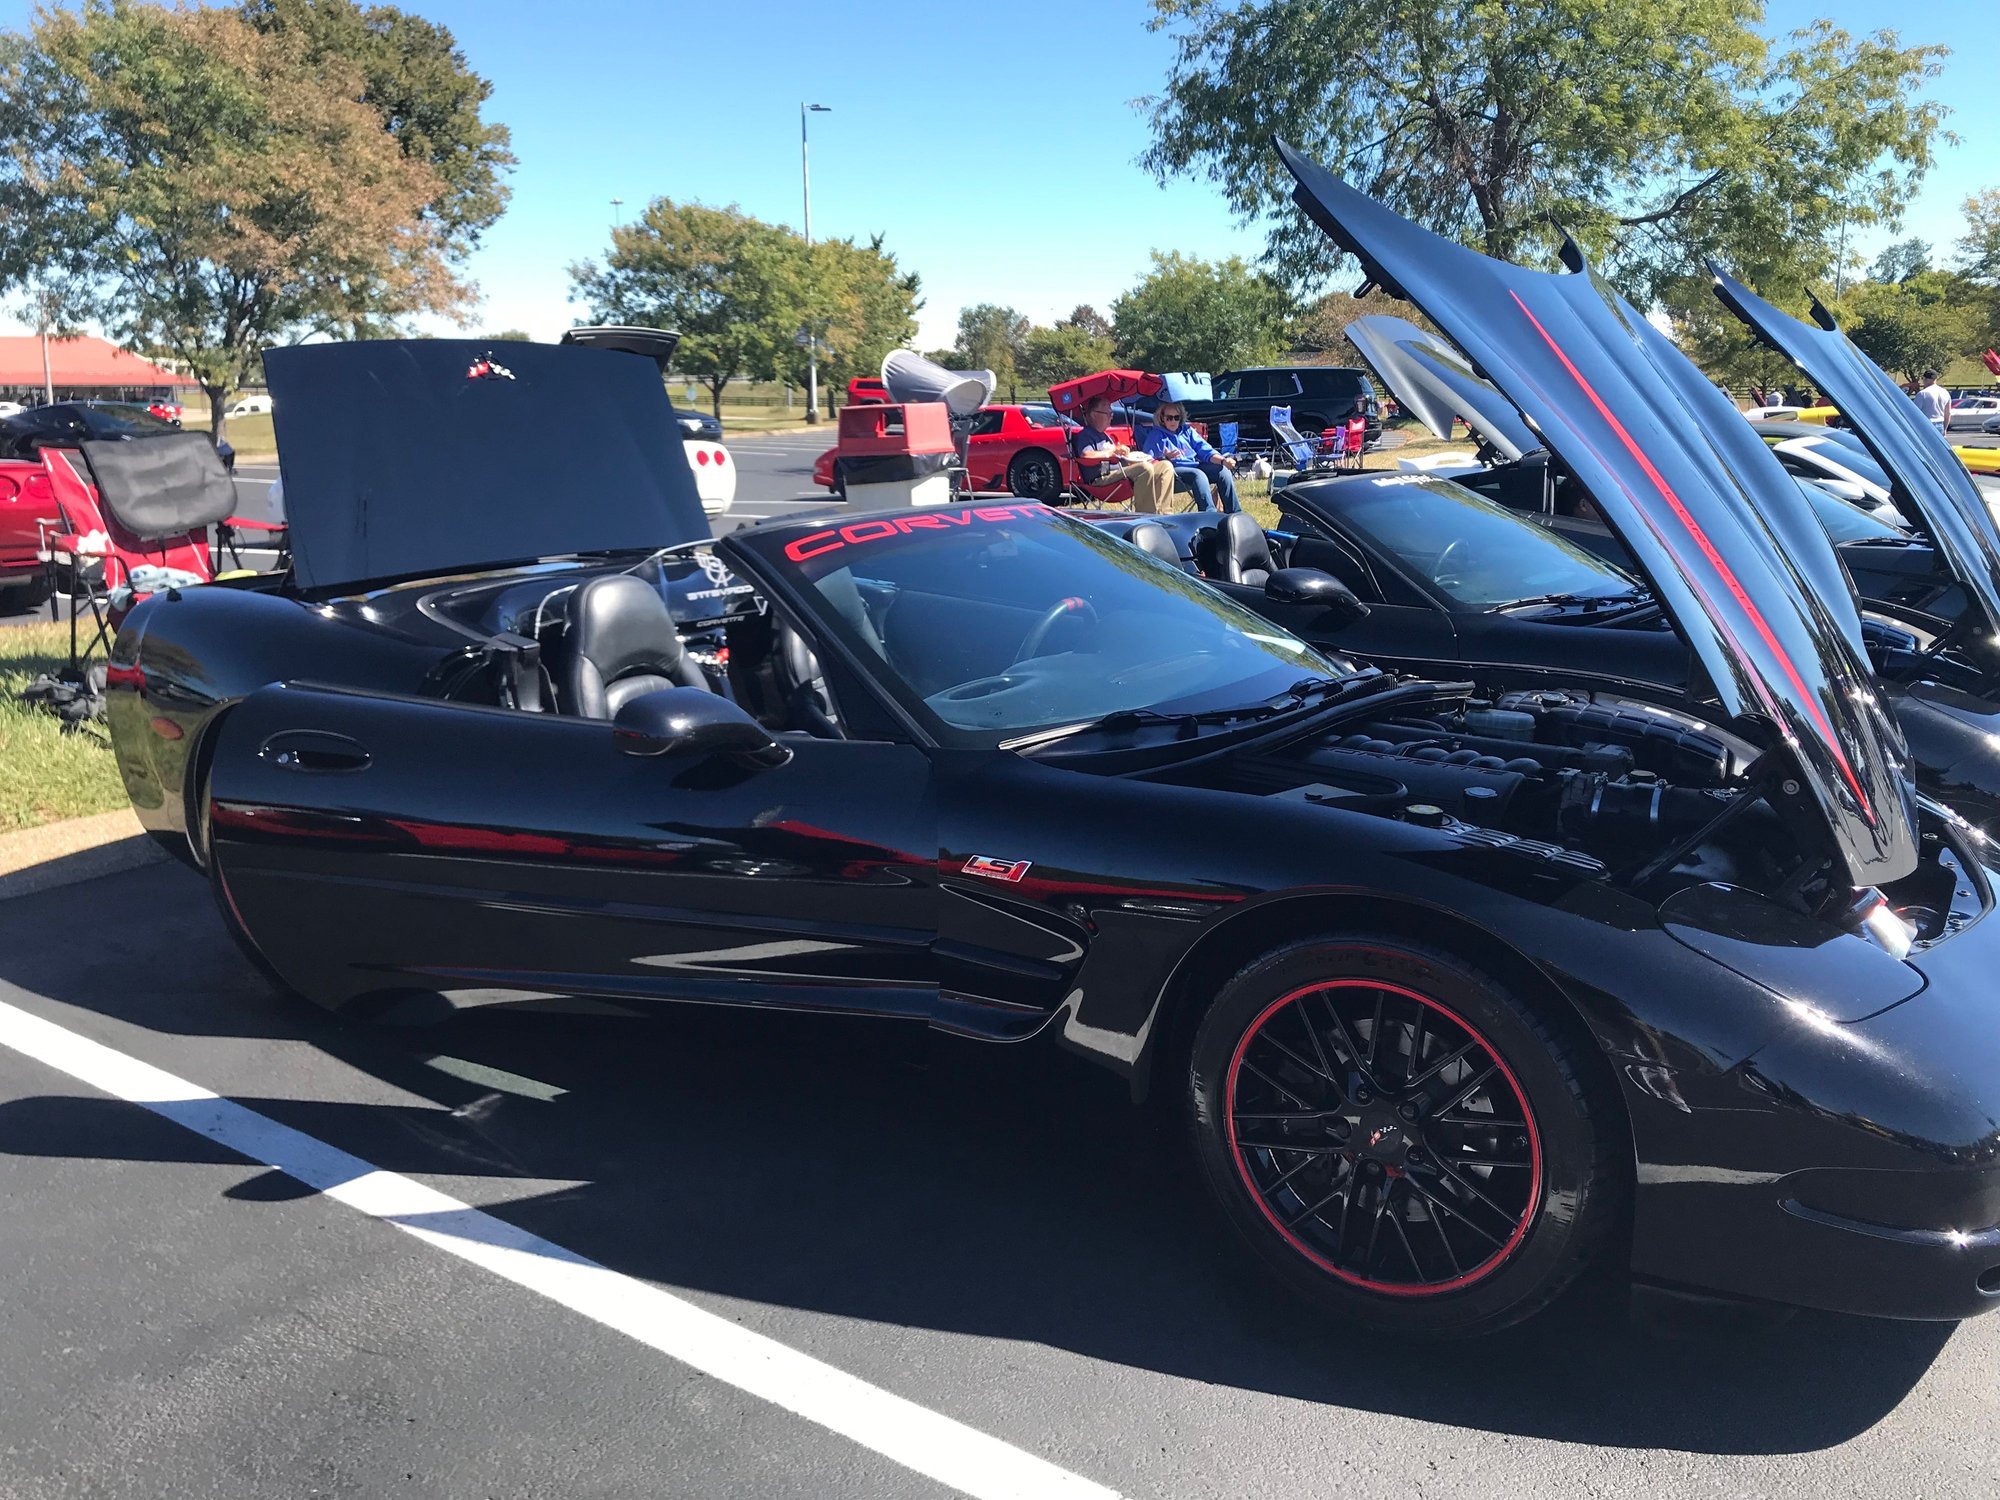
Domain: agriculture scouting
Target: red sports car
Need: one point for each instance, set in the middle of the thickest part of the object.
(1021, 450)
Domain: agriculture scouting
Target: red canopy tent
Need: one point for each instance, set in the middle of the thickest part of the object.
(80, 364)
(1071, 396)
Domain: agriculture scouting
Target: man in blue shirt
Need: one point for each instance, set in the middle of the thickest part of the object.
(1101, 459)
(1197, 466)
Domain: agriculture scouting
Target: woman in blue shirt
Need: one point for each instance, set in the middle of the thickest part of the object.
(1197, 466)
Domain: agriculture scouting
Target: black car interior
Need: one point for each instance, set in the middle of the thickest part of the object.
(618, 642)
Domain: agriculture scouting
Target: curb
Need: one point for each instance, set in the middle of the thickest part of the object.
(59, 854)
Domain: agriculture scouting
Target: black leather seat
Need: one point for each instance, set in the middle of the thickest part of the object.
(618, 642)
(1151, 536)
(808, 703)
(1243, 552)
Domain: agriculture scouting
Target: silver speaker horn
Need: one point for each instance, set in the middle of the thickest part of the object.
(910, 377)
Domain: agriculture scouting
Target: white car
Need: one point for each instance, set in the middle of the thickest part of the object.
(1973, 411)
(714, 474)
(249, 406)
(11, 408)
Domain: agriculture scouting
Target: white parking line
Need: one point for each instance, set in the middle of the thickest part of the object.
(914, 1436)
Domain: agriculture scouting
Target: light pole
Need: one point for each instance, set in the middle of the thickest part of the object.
(806, 177)
(617, 212)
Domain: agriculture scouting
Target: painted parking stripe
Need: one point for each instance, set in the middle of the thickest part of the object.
(917, 1438)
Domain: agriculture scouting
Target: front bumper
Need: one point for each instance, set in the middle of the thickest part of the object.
(1852, 1166)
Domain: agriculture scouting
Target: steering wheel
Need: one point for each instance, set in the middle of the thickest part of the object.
(1061, 609)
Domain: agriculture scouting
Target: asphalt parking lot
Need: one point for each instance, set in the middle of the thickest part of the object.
(522, 1255)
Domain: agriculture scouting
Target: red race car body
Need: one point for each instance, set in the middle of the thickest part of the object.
(1019, 450)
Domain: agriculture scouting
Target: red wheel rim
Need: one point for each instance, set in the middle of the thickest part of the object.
(1383, 1136)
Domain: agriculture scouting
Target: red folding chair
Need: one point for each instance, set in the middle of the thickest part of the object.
(127, 506)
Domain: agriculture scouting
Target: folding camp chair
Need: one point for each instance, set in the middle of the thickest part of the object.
(1308, 455)
(132, 518)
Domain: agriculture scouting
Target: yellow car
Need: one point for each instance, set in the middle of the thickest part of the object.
(1817, 414)
(1980, 460)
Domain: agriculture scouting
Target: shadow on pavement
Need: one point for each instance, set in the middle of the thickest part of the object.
(847, 1168)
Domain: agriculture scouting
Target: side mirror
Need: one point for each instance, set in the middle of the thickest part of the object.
(1311, 586)
(694, 724)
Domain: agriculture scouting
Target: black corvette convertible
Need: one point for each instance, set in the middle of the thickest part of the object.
(1453, 1000)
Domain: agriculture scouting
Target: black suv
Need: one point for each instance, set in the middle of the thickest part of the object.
(1319, 396)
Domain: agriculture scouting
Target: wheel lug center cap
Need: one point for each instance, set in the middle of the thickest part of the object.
(1381, 1135)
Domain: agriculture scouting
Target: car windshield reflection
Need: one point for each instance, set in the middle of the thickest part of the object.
(989, 621)
(1476, 553)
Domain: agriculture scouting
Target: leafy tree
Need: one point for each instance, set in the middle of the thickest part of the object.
(208, 189)
(992, 338)
(509, 336)
(1922, 322)
(860, 305)
(1901, 261)
(1322, 326)
(1190, 314)
(1089, 319)
(416, 79)
(1979, 250)
(731, 285)
(1658, 131)
(1050, 356)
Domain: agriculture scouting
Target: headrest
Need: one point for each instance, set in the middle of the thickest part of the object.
(621, 624)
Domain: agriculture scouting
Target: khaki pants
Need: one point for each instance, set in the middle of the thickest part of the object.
(1152, 482)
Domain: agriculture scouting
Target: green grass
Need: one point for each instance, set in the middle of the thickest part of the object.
(46, 775)
(250, 436)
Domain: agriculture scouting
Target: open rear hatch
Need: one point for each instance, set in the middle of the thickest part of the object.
(1435, 384)
(1730, 547)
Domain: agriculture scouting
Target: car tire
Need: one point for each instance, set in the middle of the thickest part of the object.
(1035, 475)
(1396, 1208)
(21, 597)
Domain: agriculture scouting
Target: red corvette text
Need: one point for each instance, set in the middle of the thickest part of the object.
(819, 543)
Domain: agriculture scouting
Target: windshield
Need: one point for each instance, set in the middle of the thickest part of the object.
(1843, 460)
(125, 421)
(1474, 552)
(1845, 522)
(988, 621)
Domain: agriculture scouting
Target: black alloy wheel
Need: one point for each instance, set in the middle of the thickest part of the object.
(1399, 1137)
(1034, 475)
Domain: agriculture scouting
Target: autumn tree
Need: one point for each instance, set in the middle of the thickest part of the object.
(413, 75)
(1087, 319)
(1658, 131)
(208, 189)
(1192, 314)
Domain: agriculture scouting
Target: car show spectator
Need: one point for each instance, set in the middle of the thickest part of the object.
(1102, 459)
(1934, 401)
(1198, 468)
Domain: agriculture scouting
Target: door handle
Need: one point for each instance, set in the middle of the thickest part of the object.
(314, 750)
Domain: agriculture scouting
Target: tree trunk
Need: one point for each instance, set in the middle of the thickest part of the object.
(215, 394)
(715, 385)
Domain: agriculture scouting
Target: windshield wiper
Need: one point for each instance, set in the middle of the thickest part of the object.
(1300, 693)
(1588, 601)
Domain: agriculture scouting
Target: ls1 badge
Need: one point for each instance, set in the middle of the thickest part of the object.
(1009, 870)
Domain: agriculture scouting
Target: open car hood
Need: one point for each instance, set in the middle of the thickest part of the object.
(1754, 588)
(407, 458)
(1435, 384)
(1927, 481)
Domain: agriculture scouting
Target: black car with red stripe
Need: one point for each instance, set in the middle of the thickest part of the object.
(1446, 1008)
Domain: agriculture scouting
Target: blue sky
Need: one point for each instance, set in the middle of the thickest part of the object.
(993, 144)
